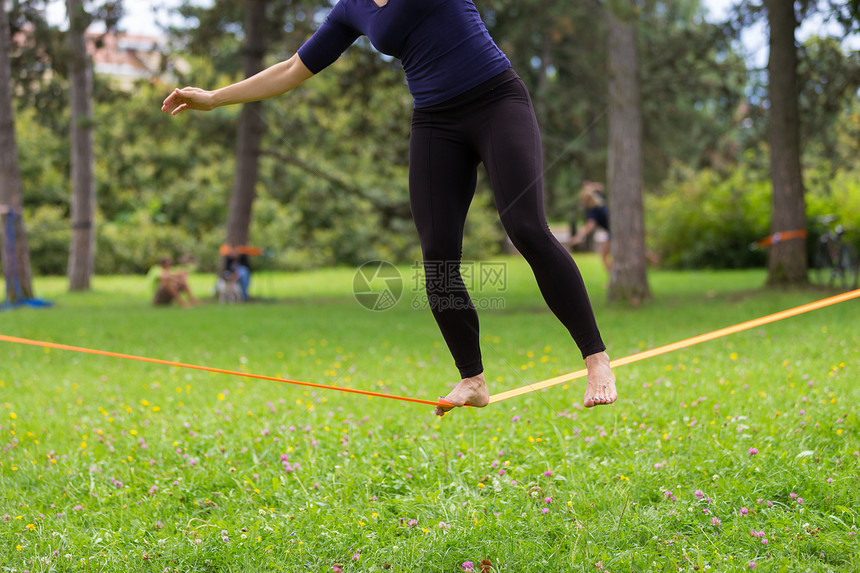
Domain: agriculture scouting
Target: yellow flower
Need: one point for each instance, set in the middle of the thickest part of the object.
(221, 397)
(18, 547)
(13, 415)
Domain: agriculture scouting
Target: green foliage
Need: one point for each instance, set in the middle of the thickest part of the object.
(44, 160)
(702, 220)
(829, 77)
(707, 219)
(840, 197)
(134, 245)
(48, 236)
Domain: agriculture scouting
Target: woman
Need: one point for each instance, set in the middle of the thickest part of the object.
(596, 216)
(470, 107)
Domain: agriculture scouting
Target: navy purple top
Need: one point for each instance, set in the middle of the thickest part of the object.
(443, 45)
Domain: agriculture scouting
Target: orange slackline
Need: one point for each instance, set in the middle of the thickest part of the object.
(16, 340)
(682, 344)
(494, 398)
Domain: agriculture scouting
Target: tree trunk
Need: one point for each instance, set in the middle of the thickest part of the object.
(16, 261)
(628, 280)
(251, 129)
(82, 250)
(787, 264)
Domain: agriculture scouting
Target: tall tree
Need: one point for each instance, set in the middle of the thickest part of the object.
(16, 263)
(251, 129)
(235, 36)
(628, 278)
(787, 261)
(83, 203)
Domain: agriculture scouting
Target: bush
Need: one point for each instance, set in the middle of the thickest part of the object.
(135, 245)
(48, 237)
(839, 196)
(705, 220)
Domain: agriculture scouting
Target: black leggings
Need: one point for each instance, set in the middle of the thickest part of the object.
(493, 123)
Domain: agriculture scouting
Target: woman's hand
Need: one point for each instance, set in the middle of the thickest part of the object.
(188, 98)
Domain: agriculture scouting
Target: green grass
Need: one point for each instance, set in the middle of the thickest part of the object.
(114, 465)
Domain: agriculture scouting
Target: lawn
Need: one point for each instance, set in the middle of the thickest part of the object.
(735, 454)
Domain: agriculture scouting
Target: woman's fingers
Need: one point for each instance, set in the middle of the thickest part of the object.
(172, 101)
(186, 98)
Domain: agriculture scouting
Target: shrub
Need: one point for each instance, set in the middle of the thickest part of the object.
(703, 221)
(707, 220)
(48, 237)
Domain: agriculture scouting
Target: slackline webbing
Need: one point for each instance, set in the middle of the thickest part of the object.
(682, 344)
(495, 397)
(16, 340)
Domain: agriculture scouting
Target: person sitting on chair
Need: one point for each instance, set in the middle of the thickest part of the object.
(236, 274)
(172, 286)
(237, 270)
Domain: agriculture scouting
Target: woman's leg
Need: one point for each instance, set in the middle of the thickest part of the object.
(606, 255)
(511, 150)
(442, 178)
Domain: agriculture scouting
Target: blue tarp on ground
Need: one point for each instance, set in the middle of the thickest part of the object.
(12, 284)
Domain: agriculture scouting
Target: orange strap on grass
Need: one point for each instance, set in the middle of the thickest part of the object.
(494, 398)
(681, 344)
(208, 369)
(780, 236)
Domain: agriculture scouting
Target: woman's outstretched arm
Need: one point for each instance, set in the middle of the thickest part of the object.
(273, 81)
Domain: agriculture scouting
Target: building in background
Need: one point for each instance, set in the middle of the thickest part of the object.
(127, 58)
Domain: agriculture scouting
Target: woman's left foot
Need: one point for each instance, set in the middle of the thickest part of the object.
(600, 388)
(471, 391)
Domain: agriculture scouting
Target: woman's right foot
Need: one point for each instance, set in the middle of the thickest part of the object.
(600, 388)
(471, 391)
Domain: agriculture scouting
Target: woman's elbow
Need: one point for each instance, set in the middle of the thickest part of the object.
(298, 68)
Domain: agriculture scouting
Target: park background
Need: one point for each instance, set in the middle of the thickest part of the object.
(107, 466)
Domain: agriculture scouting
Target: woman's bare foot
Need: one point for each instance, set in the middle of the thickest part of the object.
(472, 391)
(600, 388)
